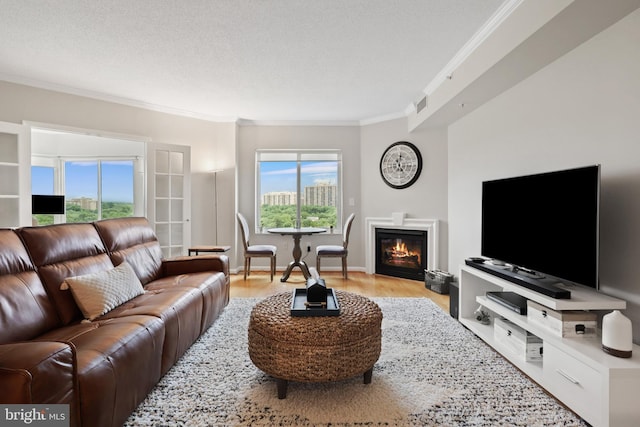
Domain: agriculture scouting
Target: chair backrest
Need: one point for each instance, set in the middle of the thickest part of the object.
(346, 230)
(244, 229)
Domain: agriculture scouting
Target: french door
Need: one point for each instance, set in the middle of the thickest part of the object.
(169, 196)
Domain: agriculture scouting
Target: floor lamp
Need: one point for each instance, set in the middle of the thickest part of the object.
(215, 199)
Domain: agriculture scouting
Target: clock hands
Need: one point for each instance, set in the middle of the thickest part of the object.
(400, 165)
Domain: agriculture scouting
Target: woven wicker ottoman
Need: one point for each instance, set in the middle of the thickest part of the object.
(315, 349)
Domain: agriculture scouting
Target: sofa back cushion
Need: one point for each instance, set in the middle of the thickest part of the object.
(132, 240)
(65, 250)
(25, 309)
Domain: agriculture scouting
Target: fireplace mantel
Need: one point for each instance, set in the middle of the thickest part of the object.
(399, 221)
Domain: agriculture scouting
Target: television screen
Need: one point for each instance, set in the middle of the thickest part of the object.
(546, 222)
(41, 204)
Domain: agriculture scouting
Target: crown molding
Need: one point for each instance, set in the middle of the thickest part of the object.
(478, 38)
(85, 93)
(248, 122)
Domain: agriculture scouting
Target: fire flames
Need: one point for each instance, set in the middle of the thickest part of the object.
(399, 253)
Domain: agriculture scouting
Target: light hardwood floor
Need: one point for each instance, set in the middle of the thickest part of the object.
(371, 285)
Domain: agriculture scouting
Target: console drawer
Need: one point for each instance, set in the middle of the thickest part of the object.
(574, 383)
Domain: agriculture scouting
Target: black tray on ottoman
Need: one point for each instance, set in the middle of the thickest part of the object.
(299, 308)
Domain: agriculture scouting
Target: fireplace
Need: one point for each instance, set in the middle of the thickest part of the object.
(401, 252)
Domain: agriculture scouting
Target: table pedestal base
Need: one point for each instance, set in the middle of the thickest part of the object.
(303, 266)
(297, 234)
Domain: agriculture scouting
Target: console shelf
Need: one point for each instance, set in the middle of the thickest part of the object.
(600, 388)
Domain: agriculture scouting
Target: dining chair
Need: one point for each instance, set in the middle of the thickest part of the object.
(255, 251)
(337, 251)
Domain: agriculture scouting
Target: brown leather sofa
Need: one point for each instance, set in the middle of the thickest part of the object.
(103, 369)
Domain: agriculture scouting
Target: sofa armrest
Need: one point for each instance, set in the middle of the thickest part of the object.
(37, 372)
(186, 265)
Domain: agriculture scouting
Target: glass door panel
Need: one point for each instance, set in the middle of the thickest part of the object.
(177, 186)
(177, 163)
(170, 205)
(162, 185)
(177, 210)
(162, 161)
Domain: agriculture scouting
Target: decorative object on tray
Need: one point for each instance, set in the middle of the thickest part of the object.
(617, 336)
(316, 293)
(303, 307)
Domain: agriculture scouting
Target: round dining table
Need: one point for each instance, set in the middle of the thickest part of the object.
(297, 234)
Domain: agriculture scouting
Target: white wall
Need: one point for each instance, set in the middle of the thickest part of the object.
(582, 109)
(426, 198)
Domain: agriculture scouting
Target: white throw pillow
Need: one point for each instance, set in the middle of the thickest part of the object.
(98, 293)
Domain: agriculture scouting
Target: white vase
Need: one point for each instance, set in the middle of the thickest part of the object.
(617, 337)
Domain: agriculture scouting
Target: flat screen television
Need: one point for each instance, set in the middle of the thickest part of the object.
(547, 223)
(45, 204)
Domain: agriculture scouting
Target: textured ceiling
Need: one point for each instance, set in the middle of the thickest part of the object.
(261, 60)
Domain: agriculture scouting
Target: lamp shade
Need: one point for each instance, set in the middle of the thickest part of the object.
(52, 205)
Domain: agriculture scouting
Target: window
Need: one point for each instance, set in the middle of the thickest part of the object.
(98, 189)
(298, 188)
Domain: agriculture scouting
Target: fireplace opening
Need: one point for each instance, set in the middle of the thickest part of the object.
(401, 253)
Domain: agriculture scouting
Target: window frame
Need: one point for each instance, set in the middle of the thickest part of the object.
(299, 156)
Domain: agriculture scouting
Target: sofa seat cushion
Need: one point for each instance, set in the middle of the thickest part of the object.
(180, 309)
(212, 285)
(98, 293)
(37, 372)
(118, 364)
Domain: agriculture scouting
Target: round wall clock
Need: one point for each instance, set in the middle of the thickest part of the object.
(401, 164)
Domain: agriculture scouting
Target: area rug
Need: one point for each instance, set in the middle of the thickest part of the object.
(431, 372)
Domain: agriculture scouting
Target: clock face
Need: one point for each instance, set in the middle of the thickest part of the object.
(401, 164)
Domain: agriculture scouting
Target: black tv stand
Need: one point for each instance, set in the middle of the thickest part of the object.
(538, 285)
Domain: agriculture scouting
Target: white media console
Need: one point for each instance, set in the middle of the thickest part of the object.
(602, 389)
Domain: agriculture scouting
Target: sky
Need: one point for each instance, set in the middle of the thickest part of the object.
(281, 176)
(82, 180)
